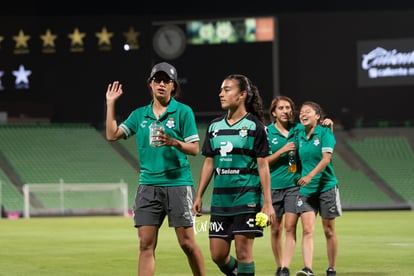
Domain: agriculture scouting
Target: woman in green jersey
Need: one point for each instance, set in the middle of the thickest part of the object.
(235, 150)
(165, 180)
(285, 169)
(283, 132)
(318, 191)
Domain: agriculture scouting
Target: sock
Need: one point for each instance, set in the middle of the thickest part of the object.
(245, 269)
(230, 269)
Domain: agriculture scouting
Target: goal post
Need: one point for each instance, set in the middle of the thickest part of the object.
(1, 201)
(75, 199)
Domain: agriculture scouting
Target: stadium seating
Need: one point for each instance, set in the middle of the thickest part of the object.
(356, 189)
(10, 198)
(78, 153)
(392, 158)
(69, 153)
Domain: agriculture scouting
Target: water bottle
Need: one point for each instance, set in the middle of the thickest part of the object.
(292, 161)
(155, 129)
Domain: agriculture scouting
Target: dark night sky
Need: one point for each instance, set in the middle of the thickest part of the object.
(312, 35)
(195, 8)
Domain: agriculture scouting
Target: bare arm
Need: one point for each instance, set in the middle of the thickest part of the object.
(276, 155)
(264, 173)
(188, 148)
(326, 158)
(113, 92)
(191, 148)
(205, 178)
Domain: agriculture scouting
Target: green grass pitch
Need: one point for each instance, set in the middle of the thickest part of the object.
(370, 243)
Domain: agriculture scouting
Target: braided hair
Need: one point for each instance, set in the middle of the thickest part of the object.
(254, 102)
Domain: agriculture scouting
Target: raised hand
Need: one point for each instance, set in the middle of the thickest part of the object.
(114, 91)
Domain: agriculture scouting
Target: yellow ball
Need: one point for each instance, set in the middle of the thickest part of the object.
(262, 219)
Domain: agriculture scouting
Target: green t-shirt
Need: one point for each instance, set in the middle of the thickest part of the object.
(281, 178)
(166, 165)
(235, 149)
(310, 153)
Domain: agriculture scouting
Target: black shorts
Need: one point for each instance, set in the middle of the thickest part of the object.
(227, 226)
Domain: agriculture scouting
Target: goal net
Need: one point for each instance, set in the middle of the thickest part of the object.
(74, 199)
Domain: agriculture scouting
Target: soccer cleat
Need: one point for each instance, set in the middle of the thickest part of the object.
(278, 271)
(305, 272)
(284, 271)
(330, 272)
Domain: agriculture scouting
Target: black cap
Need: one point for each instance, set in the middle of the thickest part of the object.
(164, 67)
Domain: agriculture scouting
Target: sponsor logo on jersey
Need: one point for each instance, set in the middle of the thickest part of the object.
(227, 171)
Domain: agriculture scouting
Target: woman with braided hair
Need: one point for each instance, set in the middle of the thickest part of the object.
(235, 150)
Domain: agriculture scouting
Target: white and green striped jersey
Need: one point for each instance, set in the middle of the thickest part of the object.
(235, 149)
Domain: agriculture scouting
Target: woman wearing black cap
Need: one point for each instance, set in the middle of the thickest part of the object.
(165, 182)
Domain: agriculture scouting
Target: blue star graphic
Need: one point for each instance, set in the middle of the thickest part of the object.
(1, 85)
(22, 77)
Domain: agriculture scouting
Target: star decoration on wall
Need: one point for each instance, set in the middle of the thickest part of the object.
(48, 39)
(21, 43)
(104, 37)
(1, 84)
(76, 37)
(21, 39)
(22, 77)
(132, 38)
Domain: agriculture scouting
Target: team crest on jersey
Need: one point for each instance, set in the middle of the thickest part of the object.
(243, 132)
(170, 123)
(316, 141)
(275, 141)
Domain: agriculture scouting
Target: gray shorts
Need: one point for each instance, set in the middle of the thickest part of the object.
(154, 203)
(328, 204)
(284, 200)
